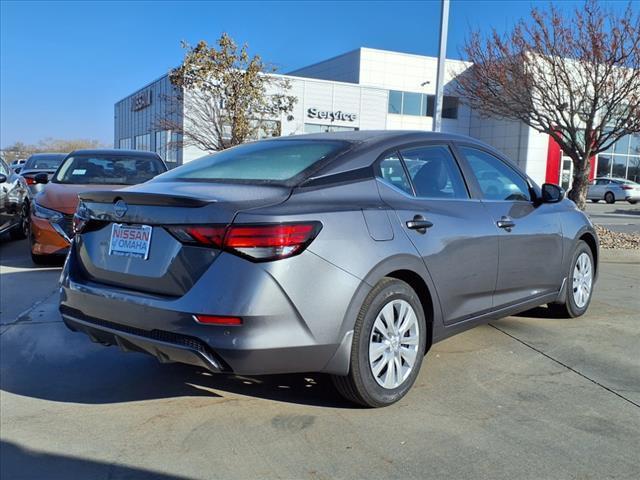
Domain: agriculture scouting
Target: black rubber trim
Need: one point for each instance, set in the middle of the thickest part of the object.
(178, 339)
(350, 176)
(140, 198)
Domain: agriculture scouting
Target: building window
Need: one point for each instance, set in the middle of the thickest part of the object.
(124, 144)
(143, 142)
(622, 159)
(411, 103)
(420, 104)
(167, 145)
(395, 101)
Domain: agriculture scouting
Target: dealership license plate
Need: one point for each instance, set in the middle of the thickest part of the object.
(130, 240)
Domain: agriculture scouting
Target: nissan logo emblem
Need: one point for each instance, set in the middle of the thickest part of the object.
(120, 208)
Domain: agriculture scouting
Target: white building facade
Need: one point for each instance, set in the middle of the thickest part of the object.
(370, 89)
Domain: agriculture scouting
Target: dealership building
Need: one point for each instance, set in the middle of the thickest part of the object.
(370, 89)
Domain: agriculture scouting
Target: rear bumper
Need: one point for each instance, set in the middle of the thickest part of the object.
(276, 335)
(162, 345)
(633, 196)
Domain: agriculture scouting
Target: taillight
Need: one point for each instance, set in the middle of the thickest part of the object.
(627, 187)
(30, 180)
(217, 320)
(259, 242)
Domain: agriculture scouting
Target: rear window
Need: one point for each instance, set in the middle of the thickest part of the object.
(270, 161)
(108, 170)
(44, 161)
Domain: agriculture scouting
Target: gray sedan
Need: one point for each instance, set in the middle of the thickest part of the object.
(347, 253)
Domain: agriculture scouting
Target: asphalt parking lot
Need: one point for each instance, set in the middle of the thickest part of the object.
(619, 216)
(526, 397)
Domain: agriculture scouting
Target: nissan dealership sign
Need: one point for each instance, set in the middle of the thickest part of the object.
(337, 116)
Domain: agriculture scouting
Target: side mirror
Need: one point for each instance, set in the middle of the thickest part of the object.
(17, 169)
(3, 178)
(552, 193)
(41, 178)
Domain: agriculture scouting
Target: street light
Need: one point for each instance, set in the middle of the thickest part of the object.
(442, 56)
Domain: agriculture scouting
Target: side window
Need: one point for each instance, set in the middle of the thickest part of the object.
(434, 172)
(392, 171)
(3, 168)
(497, 180)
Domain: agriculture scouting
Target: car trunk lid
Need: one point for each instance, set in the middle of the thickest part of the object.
(171, 267)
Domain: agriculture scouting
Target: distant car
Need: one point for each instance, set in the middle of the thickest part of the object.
(17, 165)
(52, 210)
(613, 189)
(14, 203)
(40, 163)
(347, 253)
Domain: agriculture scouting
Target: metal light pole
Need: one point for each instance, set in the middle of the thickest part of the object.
(442, 56)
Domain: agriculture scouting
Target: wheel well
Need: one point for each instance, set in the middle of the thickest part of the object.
(593, 246)
(416, 282)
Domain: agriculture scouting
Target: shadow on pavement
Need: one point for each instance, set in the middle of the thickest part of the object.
(540, 312)
(19, 463)
(49, 362)
(631, 211)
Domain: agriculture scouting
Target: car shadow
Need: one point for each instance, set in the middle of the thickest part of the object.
(19, 462)
(540, 312)
(47, 361)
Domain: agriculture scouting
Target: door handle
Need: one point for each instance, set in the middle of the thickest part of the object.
(419, 223)
(507, 223)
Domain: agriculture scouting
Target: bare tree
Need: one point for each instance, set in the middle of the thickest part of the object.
(19, 150)
(575, 77)
(226, 97)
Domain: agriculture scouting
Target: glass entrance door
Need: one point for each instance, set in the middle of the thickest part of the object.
(566, 173)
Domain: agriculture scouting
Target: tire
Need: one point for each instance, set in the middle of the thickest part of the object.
(609, 197)
(361, 385)
(40, 259)
(572, 307)
(595, 200)
(21, 231)
(632, 202)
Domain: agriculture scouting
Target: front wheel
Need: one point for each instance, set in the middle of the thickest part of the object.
(388, 346)
(579, 284)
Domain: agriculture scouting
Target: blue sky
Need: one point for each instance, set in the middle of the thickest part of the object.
(64, 64)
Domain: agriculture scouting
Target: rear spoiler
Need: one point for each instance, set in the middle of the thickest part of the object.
(141, 198)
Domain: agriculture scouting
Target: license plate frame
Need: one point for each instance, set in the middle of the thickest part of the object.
(135, 243)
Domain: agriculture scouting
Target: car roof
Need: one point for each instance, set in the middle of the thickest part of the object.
(368, 144)
(115, 151)
(376, 136)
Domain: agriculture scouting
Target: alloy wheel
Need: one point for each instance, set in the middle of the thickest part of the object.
(394, 343)
(582, 280)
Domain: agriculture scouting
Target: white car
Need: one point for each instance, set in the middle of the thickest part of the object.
(612, 189)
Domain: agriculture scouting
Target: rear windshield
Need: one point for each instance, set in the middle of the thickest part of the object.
(269, 161)
(108, 170)
(44, 161)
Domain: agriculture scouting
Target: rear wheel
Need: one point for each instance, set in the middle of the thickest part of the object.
(609, 197)
(632, 202)
(21, 230)
(388, 346)
(579, 284)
